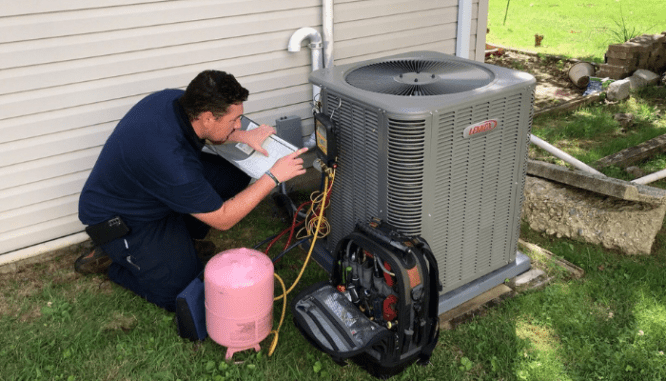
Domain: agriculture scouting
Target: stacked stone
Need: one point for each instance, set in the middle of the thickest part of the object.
(643, 52)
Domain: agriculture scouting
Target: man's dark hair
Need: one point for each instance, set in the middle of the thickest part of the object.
(213, 91)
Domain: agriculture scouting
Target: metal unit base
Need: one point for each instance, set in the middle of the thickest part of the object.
(477, 287)
(461, 294)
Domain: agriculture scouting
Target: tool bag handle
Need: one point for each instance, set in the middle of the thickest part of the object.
(433, 306)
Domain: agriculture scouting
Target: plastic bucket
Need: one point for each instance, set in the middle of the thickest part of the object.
(580, 74)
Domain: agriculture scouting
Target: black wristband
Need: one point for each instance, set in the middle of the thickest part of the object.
(272, 176)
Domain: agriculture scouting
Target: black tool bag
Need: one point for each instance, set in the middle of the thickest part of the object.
(380, 306)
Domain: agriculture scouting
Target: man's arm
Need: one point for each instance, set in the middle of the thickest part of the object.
(236, 208)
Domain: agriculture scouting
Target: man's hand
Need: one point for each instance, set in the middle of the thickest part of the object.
(289, 166)
(253, 138)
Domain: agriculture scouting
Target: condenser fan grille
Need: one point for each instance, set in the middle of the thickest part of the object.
(416, 77)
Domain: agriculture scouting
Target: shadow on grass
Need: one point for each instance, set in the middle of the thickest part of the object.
(609, 324)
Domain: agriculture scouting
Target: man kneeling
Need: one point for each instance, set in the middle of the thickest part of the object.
(153, 193)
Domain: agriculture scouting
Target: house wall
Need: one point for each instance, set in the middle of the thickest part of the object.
(70, 69)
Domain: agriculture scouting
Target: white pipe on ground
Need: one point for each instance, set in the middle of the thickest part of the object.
(563, 155)
(651, 177)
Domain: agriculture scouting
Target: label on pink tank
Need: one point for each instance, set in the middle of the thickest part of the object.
(252, 331)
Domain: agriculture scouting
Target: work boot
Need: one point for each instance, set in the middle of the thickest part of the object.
(205, 250)
(95, 262)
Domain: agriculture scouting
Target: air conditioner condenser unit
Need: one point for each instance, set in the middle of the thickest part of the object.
(435, 145)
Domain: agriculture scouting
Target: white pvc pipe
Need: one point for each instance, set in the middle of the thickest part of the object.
(651, 177)
(327, 29)
(315, 47)
(464, 28)
(563, 155)
(42, 248)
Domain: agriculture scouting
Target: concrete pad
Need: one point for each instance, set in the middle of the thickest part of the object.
(599, 184)
(615, 223)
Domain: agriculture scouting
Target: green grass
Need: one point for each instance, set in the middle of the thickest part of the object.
(609, 325)
(572, 28)
(592, 133)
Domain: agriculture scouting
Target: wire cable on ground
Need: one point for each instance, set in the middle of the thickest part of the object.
(271, 349)
(320, 218)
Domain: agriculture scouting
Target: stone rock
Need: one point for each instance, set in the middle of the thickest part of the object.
(566, 211)
(618, 90)
(649, 77)
(637, 82)
(635, 171)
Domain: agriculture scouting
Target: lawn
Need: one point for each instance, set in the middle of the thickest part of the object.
(609, 325)
(572, 28)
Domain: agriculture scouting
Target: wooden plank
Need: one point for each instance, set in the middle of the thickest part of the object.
(81, 22)
(472, 307)
(634, 154)
(535, 251)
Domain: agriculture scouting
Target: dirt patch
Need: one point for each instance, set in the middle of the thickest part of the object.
(552, 74)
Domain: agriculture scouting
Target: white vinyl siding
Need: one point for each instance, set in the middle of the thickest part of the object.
(376, 28)
(70, 69)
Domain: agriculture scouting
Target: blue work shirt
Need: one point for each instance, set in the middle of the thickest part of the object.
(149, 167)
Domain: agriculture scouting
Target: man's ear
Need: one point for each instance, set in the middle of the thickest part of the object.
(206, 118)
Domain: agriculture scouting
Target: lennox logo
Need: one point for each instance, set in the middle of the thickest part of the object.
(478, 128)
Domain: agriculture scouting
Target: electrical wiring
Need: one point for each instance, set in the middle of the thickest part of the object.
(285, 291)
(288, 249)
(317, 199)
(320, 218)
(265, 241)
(291, 230)
(293, 223)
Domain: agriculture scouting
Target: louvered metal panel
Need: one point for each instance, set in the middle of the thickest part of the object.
(462, 194)
(356, 189)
